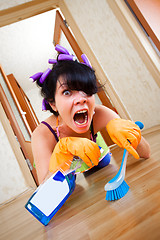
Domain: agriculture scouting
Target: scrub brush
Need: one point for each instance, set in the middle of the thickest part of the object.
(117, 188)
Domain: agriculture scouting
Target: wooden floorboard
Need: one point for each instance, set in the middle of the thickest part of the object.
(87, 215)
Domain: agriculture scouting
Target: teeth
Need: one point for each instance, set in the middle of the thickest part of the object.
(85, 117)
(82, 111)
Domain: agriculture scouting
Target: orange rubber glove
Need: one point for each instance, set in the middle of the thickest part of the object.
(126, 134)
(68, 147)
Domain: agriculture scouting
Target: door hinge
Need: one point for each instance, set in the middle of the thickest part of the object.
(29, 164)
(65, 22)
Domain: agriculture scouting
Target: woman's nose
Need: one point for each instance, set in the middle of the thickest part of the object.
(80, 98)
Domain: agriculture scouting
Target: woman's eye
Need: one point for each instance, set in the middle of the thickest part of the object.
(66, 92)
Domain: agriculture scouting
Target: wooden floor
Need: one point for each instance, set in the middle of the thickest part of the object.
(87, 215)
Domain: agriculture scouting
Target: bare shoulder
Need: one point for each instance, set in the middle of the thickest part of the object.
(42, 130)
(38, 134)
(42, 136)
(102, 116)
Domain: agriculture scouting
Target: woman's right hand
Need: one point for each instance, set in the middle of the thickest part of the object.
(69, 147)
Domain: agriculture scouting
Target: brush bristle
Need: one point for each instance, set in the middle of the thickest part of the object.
(117, 193)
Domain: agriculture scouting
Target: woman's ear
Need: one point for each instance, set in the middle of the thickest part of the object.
(52, 105)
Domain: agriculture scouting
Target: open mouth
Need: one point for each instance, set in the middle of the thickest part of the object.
(81, 117)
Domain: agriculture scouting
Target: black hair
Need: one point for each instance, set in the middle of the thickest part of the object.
(77, 76)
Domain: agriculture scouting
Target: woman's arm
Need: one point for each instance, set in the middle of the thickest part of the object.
(42, 148)
(143, 149)
(102, 117)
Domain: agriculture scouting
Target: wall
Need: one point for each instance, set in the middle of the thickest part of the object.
(12, 182)
(26, 47)
(125, 69)
(8, 4)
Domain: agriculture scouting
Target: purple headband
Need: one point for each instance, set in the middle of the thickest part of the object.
(63, 55)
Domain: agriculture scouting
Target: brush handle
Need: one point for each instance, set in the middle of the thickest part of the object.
(115, 182)
(123, 164)
(119, 177)
(139, 124)
(125, 153)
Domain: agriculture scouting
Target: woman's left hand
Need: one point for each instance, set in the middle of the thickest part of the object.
(126, 134)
